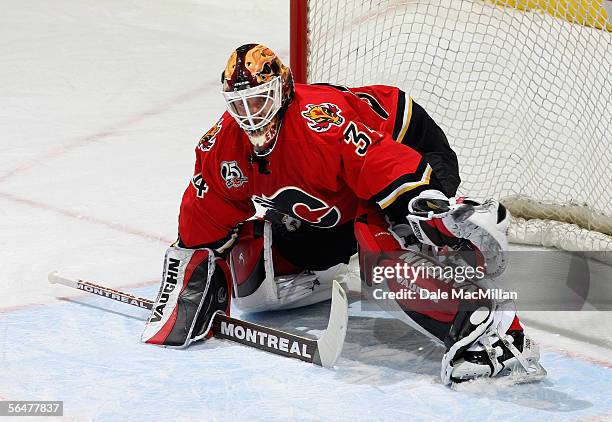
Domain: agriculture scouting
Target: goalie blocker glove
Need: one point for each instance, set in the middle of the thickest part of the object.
(477, 231)
(194, 288)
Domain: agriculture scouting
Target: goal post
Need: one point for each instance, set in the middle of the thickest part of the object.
(522, 88)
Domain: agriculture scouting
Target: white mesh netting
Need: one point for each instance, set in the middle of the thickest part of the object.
(524, 97)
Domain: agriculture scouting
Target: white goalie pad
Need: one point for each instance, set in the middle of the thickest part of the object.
(285, 291)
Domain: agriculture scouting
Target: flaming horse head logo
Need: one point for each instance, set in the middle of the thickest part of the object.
(321, 117)
(208, 139)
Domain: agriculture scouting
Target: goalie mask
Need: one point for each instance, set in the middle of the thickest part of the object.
(257, 87)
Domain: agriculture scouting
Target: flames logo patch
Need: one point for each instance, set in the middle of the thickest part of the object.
(209, 138)
(321, 117)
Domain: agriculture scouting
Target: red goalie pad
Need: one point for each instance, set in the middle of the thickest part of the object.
(379, 247)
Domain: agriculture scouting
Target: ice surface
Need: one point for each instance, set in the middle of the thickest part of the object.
(73, 351)
(101, 104)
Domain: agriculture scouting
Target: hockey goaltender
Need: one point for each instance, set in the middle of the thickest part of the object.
(294, 179)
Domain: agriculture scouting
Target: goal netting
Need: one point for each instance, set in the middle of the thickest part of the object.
(522, 88)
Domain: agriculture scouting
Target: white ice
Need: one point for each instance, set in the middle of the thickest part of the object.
(101, 104)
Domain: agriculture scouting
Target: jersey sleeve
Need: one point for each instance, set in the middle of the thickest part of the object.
(415, 128)
(208, 216)
(378, 168)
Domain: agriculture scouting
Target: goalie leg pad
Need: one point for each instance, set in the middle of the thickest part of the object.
(195, 287)
(380, 246)
(264, 281)
(483, 337)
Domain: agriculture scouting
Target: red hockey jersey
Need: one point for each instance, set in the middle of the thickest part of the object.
(336, 146)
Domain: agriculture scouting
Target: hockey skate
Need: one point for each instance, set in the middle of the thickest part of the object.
(494, 355)
(491, 342)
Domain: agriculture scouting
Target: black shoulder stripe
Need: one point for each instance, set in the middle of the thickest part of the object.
(399, 114)
(374, 104)
(338, 87)
(406, 179)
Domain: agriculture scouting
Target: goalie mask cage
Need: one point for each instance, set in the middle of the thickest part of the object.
(522, 88)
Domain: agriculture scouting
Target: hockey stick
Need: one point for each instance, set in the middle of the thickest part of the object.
(323, 351)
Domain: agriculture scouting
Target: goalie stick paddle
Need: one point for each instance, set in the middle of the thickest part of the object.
(323, 351)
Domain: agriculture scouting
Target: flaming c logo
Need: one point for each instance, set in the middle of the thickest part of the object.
(321, 117)
(298, 204)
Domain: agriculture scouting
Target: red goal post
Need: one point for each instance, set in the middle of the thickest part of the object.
(298, 39)
(521, 87)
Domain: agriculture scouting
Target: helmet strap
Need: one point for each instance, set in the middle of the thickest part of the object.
(277, 122)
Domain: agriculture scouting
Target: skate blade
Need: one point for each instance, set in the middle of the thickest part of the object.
(516, 377)
(522, 377)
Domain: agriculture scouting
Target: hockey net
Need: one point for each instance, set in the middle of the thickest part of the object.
(522, 88)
